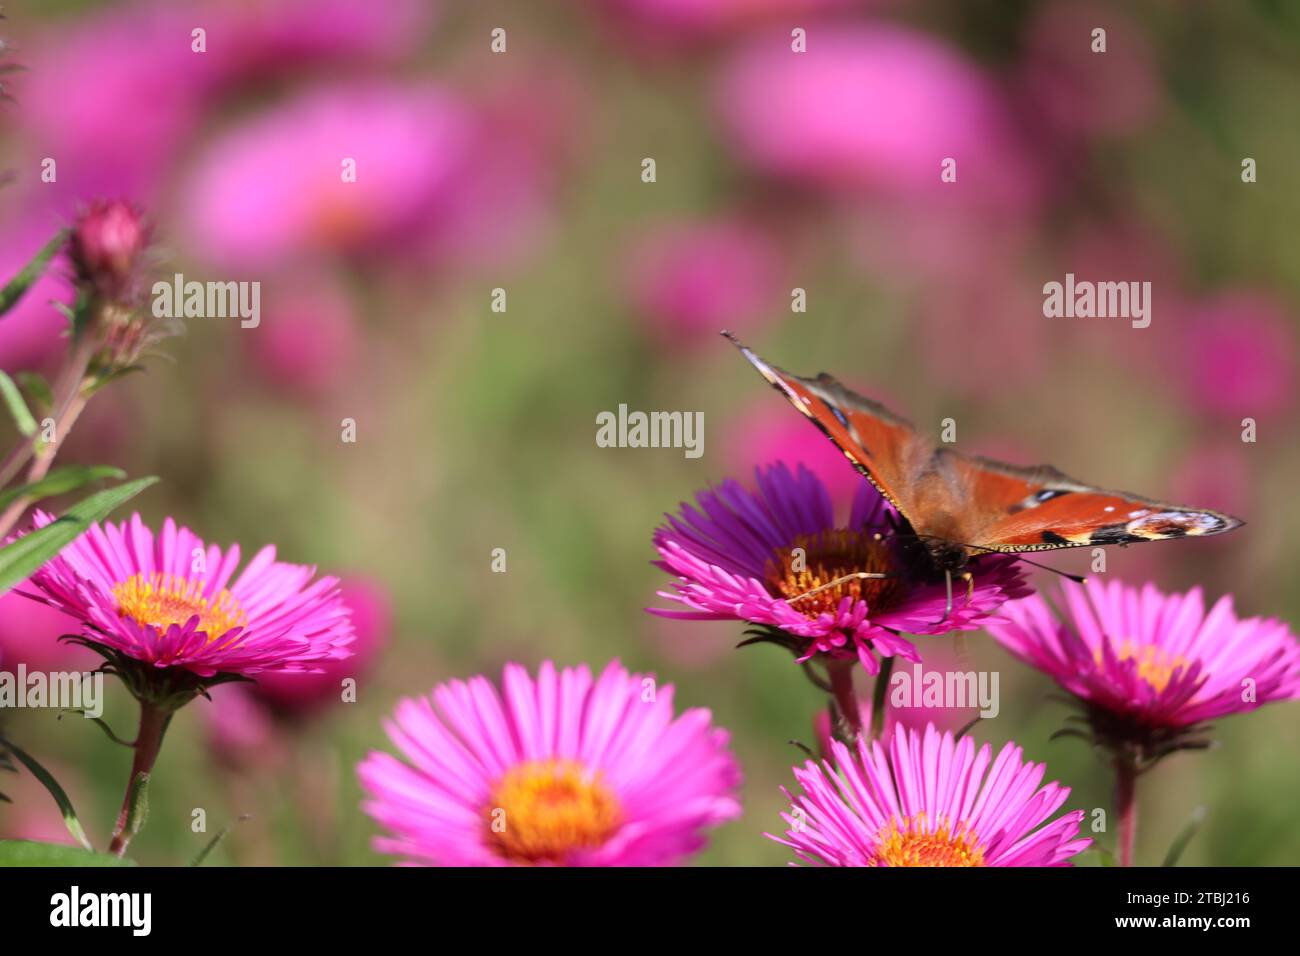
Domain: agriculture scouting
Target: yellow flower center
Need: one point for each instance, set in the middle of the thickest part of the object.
(165, 599)
(542, 810)
(812, 562)
(915, 844)
(1155, 665)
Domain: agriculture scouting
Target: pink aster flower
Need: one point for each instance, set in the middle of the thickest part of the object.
(1144, 662)
(564, 769)
(172, 619)
(1149, 669)
(170, 601)
(755, 556)
(929, 800)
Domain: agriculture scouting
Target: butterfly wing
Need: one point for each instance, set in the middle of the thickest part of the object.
(878, 443)
(1041, 509)
(981, 503)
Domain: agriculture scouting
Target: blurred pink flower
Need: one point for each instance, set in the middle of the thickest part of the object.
(875, 108)
(110, 96)
(1240, 355)
(371, 610)
(30, 632)
(275, 188)
(252, 39)
(765, 431)
(1079, 92)
(667, 20)
(528, 125)
(308, 339)
(239, 730)
(692, 279)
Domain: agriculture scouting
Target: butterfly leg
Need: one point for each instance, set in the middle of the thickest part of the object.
(947, 608)
(856, 576)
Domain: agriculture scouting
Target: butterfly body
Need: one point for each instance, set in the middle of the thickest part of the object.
(957, 507)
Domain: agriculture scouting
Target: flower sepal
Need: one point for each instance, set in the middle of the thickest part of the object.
(1142, 746)
(165, 688)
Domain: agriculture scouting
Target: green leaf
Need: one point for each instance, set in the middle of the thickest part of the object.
(36, 387)
(31, 853)
(212, 844)
(20, 283)
(21, 557)
(17, 407)
(112, 376)
(102, 724)
(60, 796)
(1184, 837)
(137, 800)
(60, 481)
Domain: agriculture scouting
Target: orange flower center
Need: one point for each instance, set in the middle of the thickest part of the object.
(542, 810)
(812, 562)
(1155, 665)
(915, 844)
(165, 599)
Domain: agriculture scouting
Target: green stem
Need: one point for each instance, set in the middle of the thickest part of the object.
(148, 743)
(880, 697)
(1126, 807)
(846, 701)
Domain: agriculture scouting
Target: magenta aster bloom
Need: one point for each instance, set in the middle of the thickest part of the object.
(1148, 666)
(170, 601)
(563, 770)
(930, 800)
(746, 556)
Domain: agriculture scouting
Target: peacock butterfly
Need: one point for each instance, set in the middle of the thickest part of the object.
(956, 507)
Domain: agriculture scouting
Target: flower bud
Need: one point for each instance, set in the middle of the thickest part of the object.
(106, 242)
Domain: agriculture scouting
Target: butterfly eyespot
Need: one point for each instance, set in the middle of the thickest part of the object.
(1175, 524)
(839, 415)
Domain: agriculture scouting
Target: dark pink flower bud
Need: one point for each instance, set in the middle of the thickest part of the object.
(106, 242)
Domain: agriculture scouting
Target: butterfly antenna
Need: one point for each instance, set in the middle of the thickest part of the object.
(1076, 578)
